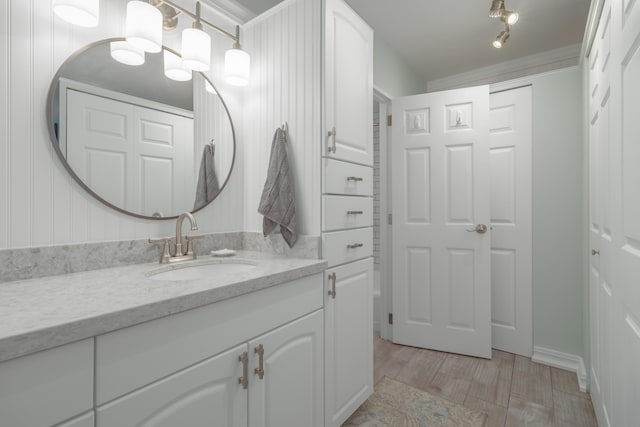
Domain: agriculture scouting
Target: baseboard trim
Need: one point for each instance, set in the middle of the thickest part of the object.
(558, 359)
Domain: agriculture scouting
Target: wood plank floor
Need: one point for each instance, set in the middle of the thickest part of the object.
(512, 390)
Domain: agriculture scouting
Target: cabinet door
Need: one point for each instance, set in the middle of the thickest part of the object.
(349, 84)
(348, 340)
(290, 390)
(207, 394)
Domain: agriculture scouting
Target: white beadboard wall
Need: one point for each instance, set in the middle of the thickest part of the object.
(40, 204)
(286, 71)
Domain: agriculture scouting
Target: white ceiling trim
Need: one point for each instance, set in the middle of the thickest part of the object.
(534, 64)
(231, 10)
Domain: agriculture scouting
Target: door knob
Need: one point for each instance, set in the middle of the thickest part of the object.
(480, 229)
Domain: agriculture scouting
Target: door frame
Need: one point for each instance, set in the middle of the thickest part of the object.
(384, 101)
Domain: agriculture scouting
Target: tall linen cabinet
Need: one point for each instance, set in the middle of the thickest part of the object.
(312, 66)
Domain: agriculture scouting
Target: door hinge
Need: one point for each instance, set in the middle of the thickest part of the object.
(389, 120)
(391, 318)
(390, 219)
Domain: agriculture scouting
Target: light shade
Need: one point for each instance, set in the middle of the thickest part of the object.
(174, 69)
(84, 13)
(236, 67)
(196, 49)
(501, 39)
(127, 54)
(144, 26)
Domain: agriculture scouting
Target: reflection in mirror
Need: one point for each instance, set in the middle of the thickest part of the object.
(137, 140)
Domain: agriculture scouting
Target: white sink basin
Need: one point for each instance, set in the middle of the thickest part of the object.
(196, 272)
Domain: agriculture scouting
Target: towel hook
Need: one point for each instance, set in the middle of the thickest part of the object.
(213, 146)
(285, 126)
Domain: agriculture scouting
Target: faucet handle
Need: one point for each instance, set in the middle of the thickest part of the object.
(190, 240)
(165, 255)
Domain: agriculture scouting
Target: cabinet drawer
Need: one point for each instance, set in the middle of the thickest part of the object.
(347, 178)
(139, 355)
(46, 388)
(340, 212)
(340, 247)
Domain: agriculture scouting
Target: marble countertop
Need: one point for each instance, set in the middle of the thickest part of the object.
(38, 314)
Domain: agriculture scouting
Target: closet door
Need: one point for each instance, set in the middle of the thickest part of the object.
(349, 85)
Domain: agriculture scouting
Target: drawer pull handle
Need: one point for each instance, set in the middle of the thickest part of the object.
(332, 291)
(332, 134)
(355, 245)
(244, 379)
(354, 212)
(354, 178)
(259, 350)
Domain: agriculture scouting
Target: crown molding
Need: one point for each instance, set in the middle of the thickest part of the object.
(595, 10)
(533, 64)
(231, 10)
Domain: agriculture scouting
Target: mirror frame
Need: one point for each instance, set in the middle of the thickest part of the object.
(56, 144)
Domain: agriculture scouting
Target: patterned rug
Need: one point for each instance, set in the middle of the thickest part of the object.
(395, 404)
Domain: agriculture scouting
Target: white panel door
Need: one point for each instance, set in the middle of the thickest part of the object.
(441, 266)
(348, 84)
(203, 395)
(286, 375)
(129, 154)
(511, 236)
(348, 339)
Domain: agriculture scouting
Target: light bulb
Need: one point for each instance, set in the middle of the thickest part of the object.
(127, 54)
(511, 17)
(236, 67)
(174, 69)
(84, 13)
(196, 49)
(144, 26)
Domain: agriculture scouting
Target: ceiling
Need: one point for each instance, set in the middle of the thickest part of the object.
(440, 38)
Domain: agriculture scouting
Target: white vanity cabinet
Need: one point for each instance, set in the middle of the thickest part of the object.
(253, 360)
(348, 84)
(47, 388)
(347, 212)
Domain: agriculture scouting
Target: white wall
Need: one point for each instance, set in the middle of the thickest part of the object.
(39, 203)
(391, 74)
(286, 71)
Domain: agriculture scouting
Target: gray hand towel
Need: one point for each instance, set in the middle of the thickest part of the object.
(207, 187)
(277, 203)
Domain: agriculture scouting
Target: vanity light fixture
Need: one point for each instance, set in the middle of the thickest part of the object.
(83, 13)
(125, 53)
(145, 22)
(174, 68)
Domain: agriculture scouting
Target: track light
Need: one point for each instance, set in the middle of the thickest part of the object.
(497, 6)
(501, 39)
(510, 17)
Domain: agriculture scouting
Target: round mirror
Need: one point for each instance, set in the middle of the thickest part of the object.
(140, 142)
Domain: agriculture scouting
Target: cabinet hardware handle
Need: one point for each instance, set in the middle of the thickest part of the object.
(354, 212)
(480, 229)
(244, 379)
(355, 245)
(594, 252)
(259, 350)
(354, 178)
(332, 134)
(332, 291)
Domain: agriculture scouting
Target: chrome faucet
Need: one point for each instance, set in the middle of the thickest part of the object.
(178, 254)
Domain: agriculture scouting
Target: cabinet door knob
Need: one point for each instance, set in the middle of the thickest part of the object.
(259, 350)
(354, 178)
(332, 291)
(354, 212)
(244, 379)
(355, 245)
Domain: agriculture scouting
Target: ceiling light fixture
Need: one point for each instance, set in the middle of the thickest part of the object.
(497, 6)
(144, 24)
(501, 39)
(507, 17)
